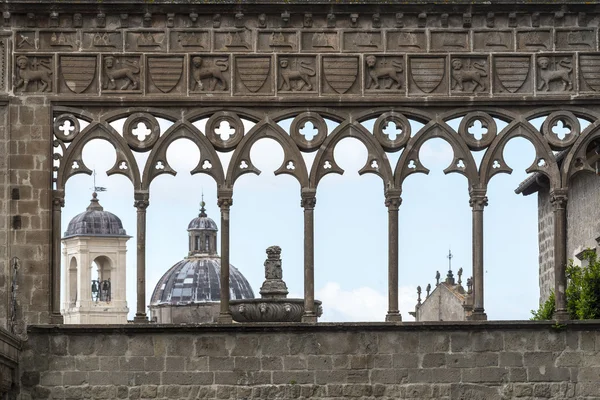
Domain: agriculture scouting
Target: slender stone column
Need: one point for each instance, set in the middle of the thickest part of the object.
(558, 199)
(58, 202)
(308, 202)
(141, 203)
(225, 201)
(477, 202)
(392, 202)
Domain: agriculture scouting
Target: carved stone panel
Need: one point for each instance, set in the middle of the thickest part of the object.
(108, 41)
(165, 74)
(513, 74)
(450, 40)
(211, 74)
(320, 41)
(555, 73)
(277, 41)
(253, 75)
(384, 73)
(427, 75)
(146, 41)
(62, 40)
(339, 75)
(575, 39)
(469, 75)
(296, 74)
(493, 40)
(362, 41)
(26, 41)
(406, 40)
(78, 74)
(33, 73)
(189, 40)
(534, 40)
(238, 40)
(589, 72)
(121, 74)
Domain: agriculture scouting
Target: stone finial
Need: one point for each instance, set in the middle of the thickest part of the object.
(94, 203)
(469, 285)
(450, 277)
(437, 278)
(273, 286)
(418, 295)
(460, 272)
(428, 289)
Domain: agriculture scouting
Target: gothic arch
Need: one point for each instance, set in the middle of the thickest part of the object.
(377, 161)
(576, 158)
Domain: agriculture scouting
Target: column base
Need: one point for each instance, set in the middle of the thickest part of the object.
(478, 316)
(140, 319)
(225, 318)
(310, 318)
(57, 319)
(561, 316)
(393, 316)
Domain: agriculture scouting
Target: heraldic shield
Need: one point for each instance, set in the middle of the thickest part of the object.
(590, 66)
(253, 72)
(340, 73)
(428, 73)
(512, 72)
(78, 72)
(165, 72)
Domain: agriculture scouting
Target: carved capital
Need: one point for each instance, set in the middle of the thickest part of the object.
(58, 199)
(478, 200)
(309, 198)
(141, 200)
(393, 203)
(225, 203)
(558, 199)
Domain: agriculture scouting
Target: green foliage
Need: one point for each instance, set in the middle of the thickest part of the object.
(583, 292)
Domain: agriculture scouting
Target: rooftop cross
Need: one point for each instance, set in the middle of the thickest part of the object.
(97, 188)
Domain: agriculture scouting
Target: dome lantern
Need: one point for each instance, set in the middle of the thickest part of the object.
(202, 234)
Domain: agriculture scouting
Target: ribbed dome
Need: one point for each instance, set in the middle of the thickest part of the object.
(202, 221)
(95, 222)
(196, 280)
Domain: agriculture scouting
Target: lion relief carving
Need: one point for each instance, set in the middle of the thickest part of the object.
(215, 74)
(115, 71)
(561, 73)
(376, 73)
(461, 74)
(26, 74)
(296, 78)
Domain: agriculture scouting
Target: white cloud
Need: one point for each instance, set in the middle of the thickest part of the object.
(361, 304)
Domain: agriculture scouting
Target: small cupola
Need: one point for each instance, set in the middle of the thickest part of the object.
(203, 234)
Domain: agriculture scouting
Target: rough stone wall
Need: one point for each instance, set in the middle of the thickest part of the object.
(4, 220)
(583, 214)
(443, 361)
(546, 243)
(30, 177)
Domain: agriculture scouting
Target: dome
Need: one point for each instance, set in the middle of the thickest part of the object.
(202, 221)
(196, 280)
(95, 222)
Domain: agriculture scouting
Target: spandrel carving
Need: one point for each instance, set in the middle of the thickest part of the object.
(209, 74)
(165, 74)
(102, 41)
(450, 40)
(493, 40)
(534, 40)
(363, 41)
(554, 73)
(575, 39)
(189, 41)
(513, 74)
(406, 40)
(384, 73)
(340, 75)
(120, 73)
(469, 75)
(33, 74)
(296, 74)
(277, 41)
(321, 41)
(253, 75)
(78, 74)
(427, 75)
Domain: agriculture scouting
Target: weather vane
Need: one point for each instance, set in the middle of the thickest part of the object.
(97, 188)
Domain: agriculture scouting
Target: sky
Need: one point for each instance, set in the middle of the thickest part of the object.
(350, 224)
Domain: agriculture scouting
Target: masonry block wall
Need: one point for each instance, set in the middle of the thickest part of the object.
(445, 361)
(5, 218)
(546, 243)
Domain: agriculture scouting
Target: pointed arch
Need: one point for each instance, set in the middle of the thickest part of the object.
(100, 130)
(493, 161)
(209, 163)
(267, 129)
(576, 160)
(409, 162)
(375, 154)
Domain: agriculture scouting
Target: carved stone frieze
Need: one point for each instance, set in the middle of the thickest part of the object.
(78, 74)
(234, 41)
(189, 40)
(277, 41)
(427, 75)
(103, 41)
(59, 40)
(450, 40)
(26, 41)
(340, 74)
(469, 75)
(165, 74)
(384, 73)
(320, 41)
(33, 73)
(358, 41)
(406, 40)
(589, 79)
(575, 39)
(296, 74)
(253, 74)
(146, 41)
(513, 74)
(493, 40)
(555, 73)
(210, 73)
(121, 73)
(534, 40)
